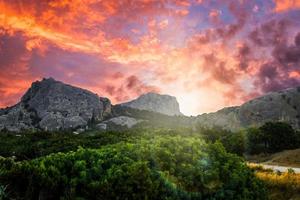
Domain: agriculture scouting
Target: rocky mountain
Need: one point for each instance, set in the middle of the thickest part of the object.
(52, 105)
(164, 104)
(275, 106)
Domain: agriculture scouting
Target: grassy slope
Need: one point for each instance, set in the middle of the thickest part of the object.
(281, 186)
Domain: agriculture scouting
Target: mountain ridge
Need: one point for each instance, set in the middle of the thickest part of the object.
(52, 105)
(280, 105)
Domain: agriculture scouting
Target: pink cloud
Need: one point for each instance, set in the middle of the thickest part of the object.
(121, 49)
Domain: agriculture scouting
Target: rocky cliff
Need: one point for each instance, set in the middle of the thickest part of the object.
(164, 104)
(275, 106)
(52, 105)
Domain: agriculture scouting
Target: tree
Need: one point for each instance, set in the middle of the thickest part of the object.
(278, 136)
(235, 143)
(213, 134)
(256, 142)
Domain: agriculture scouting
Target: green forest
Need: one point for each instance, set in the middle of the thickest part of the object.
(138, 163)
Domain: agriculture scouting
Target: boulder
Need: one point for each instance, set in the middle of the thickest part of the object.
(74, 122)
(52, 122)
(101, 126)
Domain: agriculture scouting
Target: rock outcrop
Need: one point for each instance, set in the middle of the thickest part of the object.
(17, 118)
(52, 105)
(164, 104)
(123, 121)
(275, 106)
(226, 118)
(107, 107)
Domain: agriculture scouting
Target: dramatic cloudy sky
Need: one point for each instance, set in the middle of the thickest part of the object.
(207, 53)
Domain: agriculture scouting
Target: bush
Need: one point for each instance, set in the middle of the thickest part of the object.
(3, 194)
(255, 141)
(278, 136)
(235, 143)
(271, 137)
(164, 167)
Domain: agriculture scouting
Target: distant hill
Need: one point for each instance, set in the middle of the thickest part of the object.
(275, 106)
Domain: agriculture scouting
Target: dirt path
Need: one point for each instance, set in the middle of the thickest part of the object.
(278, 168)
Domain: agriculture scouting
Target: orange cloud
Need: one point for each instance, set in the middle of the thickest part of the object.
(284, 5)
(294, 74)
(67, 30)
(121, 49)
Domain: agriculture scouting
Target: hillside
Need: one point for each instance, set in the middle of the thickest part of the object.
(275, 106)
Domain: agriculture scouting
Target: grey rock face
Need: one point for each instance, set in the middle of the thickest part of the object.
(101, 126)
(50, 96)
(106, 106)
(164, 104)
(52, 122)
(275, 106)
(75, 121)
(225, 118)
(16, 118)
(123, 121)
(52, 105)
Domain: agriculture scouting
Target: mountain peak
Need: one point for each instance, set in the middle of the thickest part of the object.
(155, 102)
(48, 79)
(52, 105)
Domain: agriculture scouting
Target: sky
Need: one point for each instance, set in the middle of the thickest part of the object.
(209, 54)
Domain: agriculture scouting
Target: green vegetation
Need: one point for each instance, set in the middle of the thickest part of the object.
(135, 164)
(32, 145)
(270, 138)
(140, 163)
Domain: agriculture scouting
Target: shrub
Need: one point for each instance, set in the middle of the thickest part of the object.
(278, 136)
(164, 167)
(271, 137)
